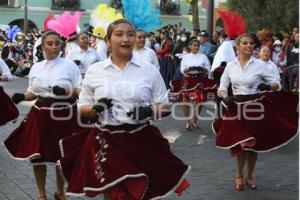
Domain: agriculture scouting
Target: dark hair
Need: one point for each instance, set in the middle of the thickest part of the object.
(256, 41)
(139, 30)
(196, 30)
(114, 24)
(165, 32)
(279, 36)
(46, 34)
(194, 40)
(80, 34)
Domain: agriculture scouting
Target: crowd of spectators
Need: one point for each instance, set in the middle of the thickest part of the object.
(170, 43)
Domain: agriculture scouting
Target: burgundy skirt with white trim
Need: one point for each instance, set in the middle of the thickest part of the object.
(127, 162)
(198, 88)
(8, 110)
(37, 137)
(261, 124)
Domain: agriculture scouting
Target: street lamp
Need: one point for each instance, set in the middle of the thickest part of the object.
(25, 17)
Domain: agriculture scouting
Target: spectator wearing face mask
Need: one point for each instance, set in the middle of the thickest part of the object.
(278, 56)
(181, 42)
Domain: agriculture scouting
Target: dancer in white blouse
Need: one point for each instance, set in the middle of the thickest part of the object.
(55, 84)
(82, 55)
(144, 52)
(194, 61)
(124, 157)
(246, 134)
(193, 64)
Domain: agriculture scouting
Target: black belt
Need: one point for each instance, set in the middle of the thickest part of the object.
(53, 100)
(124, 127)
(246, 97)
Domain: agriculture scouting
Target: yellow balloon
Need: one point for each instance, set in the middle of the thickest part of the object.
(101, 17)
(99, 31)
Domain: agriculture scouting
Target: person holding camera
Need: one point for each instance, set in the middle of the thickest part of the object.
(54, 83)
(251, 122)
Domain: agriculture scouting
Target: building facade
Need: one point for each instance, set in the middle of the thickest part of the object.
(12, 11)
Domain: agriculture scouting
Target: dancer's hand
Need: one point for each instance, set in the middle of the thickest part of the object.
(102, 104)
(59, 91)
(18, 97)
(141, 112)
(264, 87)
(230, 102)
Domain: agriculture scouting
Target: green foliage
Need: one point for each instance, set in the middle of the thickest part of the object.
(277, 15)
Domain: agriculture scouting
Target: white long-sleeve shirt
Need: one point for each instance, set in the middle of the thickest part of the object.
(46, 74)
(138, 84)
(4, 70)
(197, 59)
(86, 58)
(273, 69)
(101, 50)
(148, 54)
(245, 81)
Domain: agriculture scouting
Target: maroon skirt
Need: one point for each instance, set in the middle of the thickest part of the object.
(8, 110)
(37, 137)
(198, 88)
(258, 124)
(114, 159)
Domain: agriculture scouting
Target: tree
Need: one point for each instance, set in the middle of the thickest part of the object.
(277, 15)
(195, 13)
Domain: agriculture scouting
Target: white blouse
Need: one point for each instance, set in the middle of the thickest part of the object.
(101, 49)
(4, 70)
(148, 55)
(86, 58)
(245, 81)
(197, 59)
(48, 73)
(273, 69)
(138, 84)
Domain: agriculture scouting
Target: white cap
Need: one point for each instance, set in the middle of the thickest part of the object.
(276, 42)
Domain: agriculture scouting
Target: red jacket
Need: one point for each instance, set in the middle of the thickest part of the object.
(165, 49)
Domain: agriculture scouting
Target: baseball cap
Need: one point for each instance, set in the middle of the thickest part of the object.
(203, 33)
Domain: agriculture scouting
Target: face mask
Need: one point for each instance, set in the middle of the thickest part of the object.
(199, 38)
(277, 49)
(183, 39)
(184, 52)
(178, 37)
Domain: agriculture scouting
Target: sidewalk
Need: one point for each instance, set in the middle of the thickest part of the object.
(211, 178)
